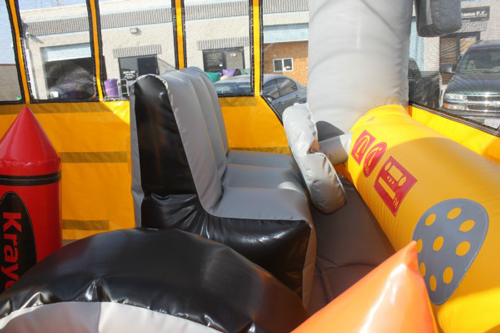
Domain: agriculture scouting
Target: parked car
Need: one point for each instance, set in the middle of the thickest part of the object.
(474, 90)
(280, 90)
(425, 87)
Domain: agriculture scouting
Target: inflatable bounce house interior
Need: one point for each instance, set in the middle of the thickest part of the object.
(261, 166)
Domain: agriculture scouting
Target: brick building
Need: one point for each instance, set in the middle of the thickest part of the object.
(296, 52)
(137, 38)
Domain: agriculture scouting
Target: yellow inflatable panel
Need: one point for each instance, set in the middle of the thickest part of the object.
(476, 140)
(252, 125)
(93, 140)
(423, 186)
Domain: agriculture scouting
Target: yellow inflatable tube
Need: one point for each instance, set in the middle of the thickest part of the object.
(423, 186)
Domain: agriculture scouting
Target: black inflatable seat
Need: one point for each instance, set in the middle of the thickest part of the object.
(144, 280)
(351, 243)
(185, 177)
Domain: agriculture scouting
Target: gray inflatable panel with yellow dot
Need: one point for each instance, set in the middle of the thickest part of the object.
(449, 236)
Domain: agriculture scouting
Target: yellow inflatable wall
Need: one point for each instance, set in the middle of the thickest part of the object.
(476, 140)
(421, 185)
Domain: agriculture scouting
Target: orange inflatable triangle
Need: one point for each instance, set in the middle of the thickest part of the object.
(392, 298)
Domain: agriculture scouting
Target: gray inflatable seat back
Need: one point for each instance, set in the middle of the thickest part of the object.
(195, 75)
(323, 184)
(217, 130)
(194, 133)
(215, 103)
(438, 17)
(358, 58)
(155, 176)
(182, 179)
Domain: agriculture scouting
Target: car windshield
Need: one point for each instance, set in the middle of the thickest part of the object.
(232, 87)
(483, 61)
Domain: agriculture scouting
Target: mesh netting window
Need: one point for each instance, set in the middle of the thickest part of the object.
(285, 45)
(218, 41)
(57, 48)
(137, 39)
(459, 73)
(10, 89)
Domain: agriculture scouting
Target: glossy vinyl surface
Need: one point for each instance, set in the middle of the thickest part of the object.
(25, 149)
(166, 271)
(30, 171)
(392, 298)
(439, 164)
(164, 167)
(16, 240)
(277, 246)
(267, 234)
(43, 204)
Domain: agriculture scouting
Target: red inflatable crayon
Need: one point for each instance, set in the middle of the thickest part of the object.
(30, 192)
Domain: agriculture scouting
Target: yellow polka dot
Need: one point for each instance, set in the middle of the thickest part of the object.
(433, 283)
(430, 219)
(463, 248)
(467, 225)
(438, 243)
(453, 214)
(448, 275)
(420, 244)
(422, 269)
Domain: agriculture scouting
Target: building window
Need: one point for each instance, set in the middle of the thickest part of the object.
(283, 65)
(215, 61)
(133, 67)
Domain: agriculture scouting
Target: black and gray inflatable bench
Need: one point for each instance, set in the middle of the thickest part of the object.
(137, 280)
(185, 177)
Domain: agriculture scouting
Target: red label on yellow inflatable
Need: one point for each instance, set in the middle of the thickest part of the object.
(361, 146)
(393, 183)
(373, 157)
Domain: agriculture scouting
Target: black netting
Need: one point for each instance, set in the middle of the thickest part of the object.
(137, 39)
(58, 49)
(459, 72)
(285, 52)
(218, 41)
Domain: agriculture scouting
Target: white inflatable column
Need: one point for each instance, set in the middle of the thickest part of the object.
(358, 59)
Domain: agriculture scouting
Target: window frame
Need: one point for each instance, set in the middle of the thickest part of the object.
(91, 41)
(282, 65)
